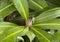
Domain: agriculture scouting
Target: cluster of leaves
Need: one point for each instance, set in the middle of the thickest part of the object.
(41, 18)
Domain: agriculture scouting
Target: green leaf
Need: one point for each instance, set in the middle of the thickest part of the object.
(36, 39)
(20, 39)
(30, 35)
(54, 26)
(4, 3)
(42, 35)
(37, 5)
(50, 5)
(9, 31)
(57, 20)
(7, 24)
(10, 35)
(48, 15)
(57, 35)
(22, 7)
(24, 31)
(6, 10)
(56, 2)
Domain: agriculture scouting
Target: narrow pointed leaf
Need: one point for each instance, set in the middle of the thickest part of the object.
(7, 10)
(10, 34)
(37, 5)
(48, 15)
(30, 35)
(54, 26)
(22, 7)
(5, 26)
(42, 35)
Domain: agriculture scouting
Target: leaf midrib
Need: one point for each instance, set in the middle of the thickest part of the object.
(41, 34)
(49, 15)
(6, 7)
(45, 24)
(23, 9)
(11, 35)
(37, 4)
